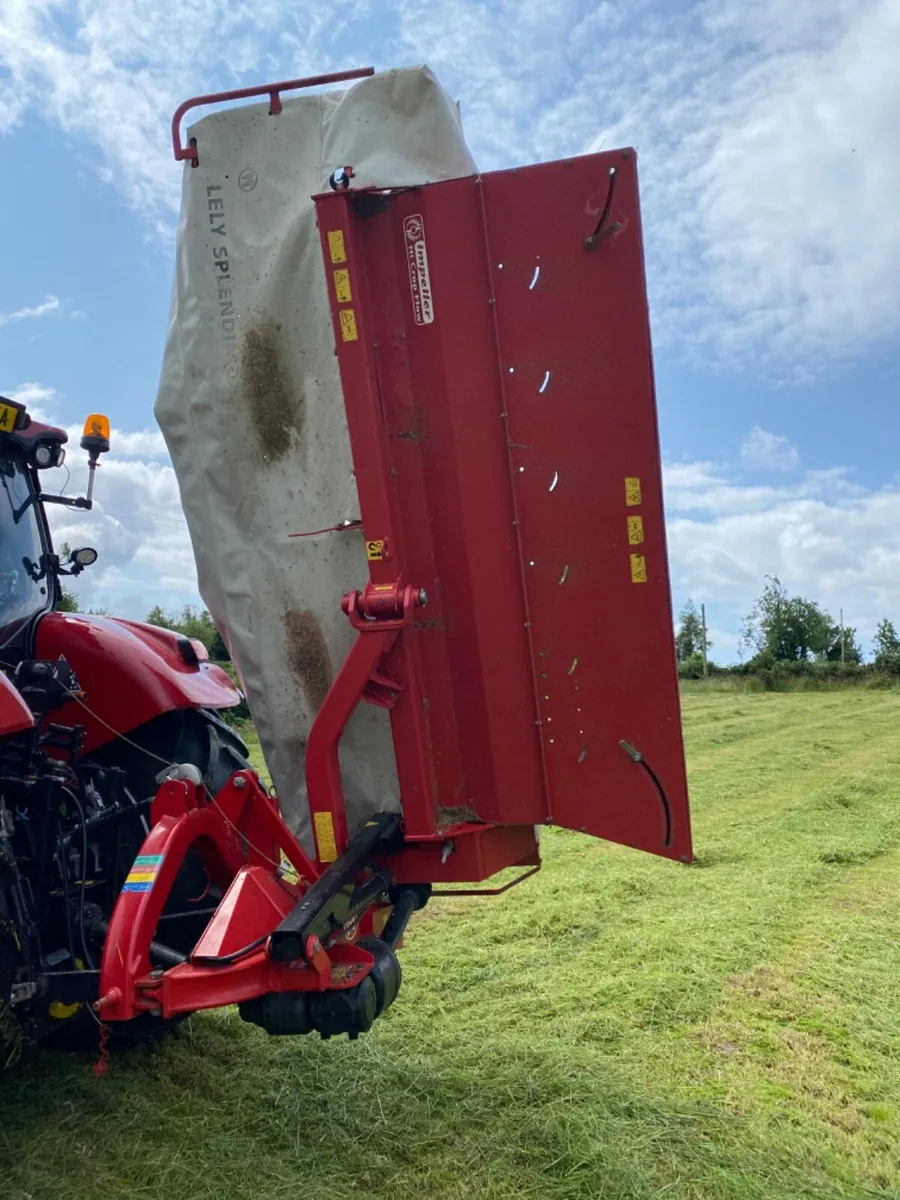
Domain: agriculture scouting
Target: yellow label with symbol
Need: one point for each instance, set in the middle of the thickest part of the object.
(342, 286)
(638, 568)
(336, 247)
(348, 325)
(8, 415)
(375, 550)
(632, 491)
(635, 531)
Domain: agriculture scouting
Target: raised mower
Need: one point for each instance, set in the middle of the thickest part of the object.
(494, 350)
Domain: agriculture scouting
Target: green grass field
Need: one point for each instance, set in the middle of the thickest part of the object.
(618, 1027)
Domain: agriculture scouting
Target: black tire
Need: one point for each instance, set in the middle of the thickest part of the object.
(195, 736)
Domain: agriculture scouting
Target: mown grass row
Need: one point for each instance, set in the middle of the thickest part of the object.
(618, 1027)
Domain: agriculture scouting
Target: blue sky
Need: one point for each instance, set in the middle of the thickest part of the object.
(770, 171)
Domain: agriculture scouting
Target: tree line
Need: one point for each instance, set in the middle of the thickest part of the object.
(793, 633)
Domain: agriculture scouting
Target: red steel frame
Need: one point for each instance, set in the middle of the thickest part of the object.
(494, 349)
(507, 535)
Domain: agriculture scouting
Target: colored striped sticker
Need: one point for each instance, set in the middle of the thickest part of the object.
(348, 325)
(342, 286)
(324, 826)
(638, 568)
(143, 872)
(635, 531)
(632, 491)
(336, 247)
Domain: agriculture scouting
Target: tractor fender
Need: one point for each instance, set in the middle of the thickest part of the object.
(129, 673)
(15, 715)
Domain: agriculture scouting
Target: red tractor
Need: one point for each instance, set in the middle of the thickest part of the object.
(493, 345)
(92, 709)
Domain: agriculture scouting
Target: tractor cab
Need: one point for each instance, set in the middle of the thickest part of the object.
(29, 567)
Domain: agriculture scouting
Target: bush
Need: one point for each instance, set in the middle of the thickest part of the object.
(766, 674)
(240, 714)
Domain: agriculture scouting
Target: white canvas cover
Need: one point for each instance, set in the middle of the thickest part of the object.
(251, 408)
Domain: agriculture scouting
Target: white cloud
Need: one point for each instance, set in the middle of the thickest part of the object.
(142, 444)
(766, 135)
(39, 400)
(765, 451)
(824, 537)
(136, 523)
(50, 304)
(766, 141)
(138, 528)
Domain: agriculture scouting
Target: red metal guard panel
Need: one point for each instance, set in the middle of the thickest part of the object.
(494, 347)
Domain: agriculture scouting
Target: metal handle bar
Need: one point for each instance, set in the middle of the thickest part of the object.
(272, 90)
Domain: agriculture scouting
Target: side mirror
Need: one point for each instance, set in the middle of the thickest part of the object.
(86, 556)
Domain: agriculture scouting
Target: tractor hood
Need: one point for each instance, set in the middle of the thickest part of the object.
(130, 673)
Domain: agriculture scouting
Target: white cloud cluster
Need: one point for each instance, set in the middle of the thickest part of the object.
(824, 536)
(767, 135)
(765, 451)
(136, 523)
(49, 306)
(39, 400)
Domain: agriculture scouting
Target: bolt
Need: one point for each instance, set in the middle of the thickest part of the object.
(240, 782)
(422, 597)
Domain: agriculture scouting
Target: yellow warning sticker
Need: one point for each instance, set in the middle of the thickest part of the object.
(375, 551)
(336, 246)
(632, 491)
(324, 825)
(342, 286)
(638, 568)
(635, 531)
(289, 872)
(348, 325)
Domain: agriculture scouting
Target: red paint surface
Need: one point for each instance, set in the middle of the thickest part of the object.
(129, 672)
(537, 654)
(15, 715)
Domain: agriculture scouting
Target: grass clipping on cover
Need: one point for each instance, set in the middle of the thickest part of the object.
(619, 1026)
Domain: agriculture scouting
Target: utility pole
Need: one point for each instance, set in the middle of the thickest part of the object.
(842, 635)
(703, 619)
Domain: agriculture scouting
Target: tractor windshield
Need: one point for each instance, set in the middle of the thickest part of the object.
(25, 582)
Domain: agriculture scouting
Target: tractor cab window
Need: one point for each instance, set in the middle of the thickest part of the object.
(25, 583)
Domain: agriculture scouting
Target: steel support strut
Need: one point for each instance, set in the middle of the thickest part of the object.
(379, 613)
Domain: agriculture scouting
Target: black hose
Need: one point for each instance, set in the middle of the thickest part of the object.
(225, 960)
(663, 799)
